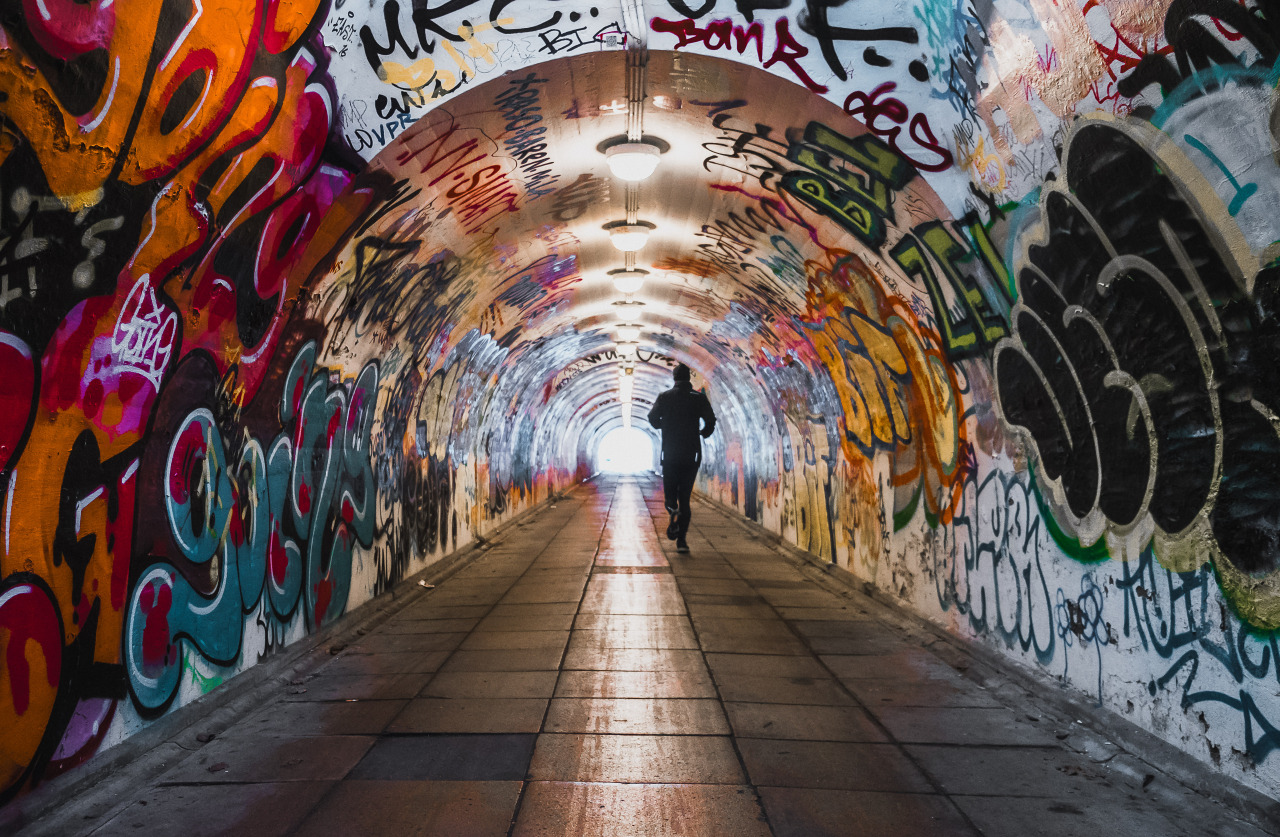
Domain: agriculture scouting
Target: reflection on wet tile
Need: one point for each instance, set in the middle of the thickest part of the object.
(632, 636)
(634, 659)
(654, 716)
(555, 809)
(696, 759)
(694, 683)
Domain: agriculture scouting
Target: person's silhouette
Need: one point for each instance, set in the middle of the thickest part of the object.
(678, 412)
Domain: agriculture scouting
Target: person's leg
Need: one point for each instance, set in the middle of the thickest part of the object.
(687, 475)
(670, 486)
(671, 496)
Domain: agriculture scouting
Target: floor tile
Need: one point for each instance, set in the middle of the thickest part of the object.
(470, 715)
(950, 692)
(420, 809)
(264, 809)
(379, 643)
(792, 690)
(951, 725)
(902, 667)
(428, 609)
(1000, 816)
(817, 723)
(808, 812)
(556, 809)
(448, 757)
(697, 759)
(403, 662)
(695, 683)
(1013, 771)
(633, 659)
(539, 622)
(292, 719)
(632, 621)
(523, 659)
(735, 643)
(246, 758)
(653, 716)
(835, 765)
(397, 625)
(784, 665)
(632, 637)
(488, 684)
(326, 686)
(499, 640)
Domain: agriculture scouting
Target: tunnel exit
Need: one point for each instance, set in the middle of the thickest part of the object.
(625, 450)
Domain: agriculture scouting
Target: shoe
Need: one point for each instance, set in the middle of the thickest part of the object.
(673, 528)
(682, 546)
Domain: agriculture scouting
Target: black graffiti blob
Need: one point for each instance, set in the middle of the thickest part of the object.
(1193, 29)
(1144, 369)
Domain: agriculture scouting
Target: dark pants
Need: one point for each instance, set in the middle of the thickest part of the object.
(677, 486)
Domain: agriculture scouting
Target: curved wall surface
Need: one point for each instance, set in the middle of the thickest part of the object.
(297, 299)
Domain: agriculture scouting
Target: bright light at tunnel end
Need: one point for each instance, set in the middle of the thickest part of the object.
(625, 450)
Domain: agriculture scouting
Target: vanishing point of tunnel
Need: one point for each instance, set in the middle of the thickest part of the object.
(328, 336)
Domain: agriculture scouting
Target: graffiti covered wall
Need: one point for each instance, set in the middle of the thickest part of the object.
(298, 297)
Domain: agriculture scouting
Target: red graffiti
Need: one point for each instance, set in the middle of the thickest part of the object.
(723, 34)
(17, 389)
(155, 633)
(28, 616)
(885, 118)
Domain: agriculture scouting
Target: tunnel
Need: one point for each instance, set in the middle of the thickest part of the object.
(304, 301)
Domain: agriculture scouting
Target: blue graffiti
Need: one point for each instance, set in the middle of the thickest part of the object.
(1173, 612)
(285, 521)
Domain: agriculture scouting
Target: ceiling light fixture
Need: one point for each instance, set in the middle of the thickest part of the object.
(633, 160)
(626, 349)
(628, 333)
(628, 281)
(629, 237)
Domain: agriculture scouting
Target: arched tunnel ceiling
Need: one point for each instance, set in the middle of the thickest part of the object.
(489, 220)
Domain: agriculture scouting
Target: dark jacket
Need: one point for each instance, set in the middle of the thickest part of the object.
(676, 413)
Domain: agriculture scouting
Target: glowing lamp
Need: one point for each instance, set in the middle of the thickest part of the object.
(629, 333)
(632, 161)
(629, 237)
(627, 349)
(628, 281)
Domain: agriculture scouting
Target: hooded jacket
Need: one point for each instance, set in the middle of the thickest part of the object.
(677, 413)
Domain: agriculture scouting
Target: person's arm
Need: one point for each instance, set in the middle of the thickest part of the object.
(655, 414)
(708, 416)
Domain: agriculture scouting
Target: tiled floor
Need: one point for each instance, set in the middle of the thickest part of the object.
(581, 678)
